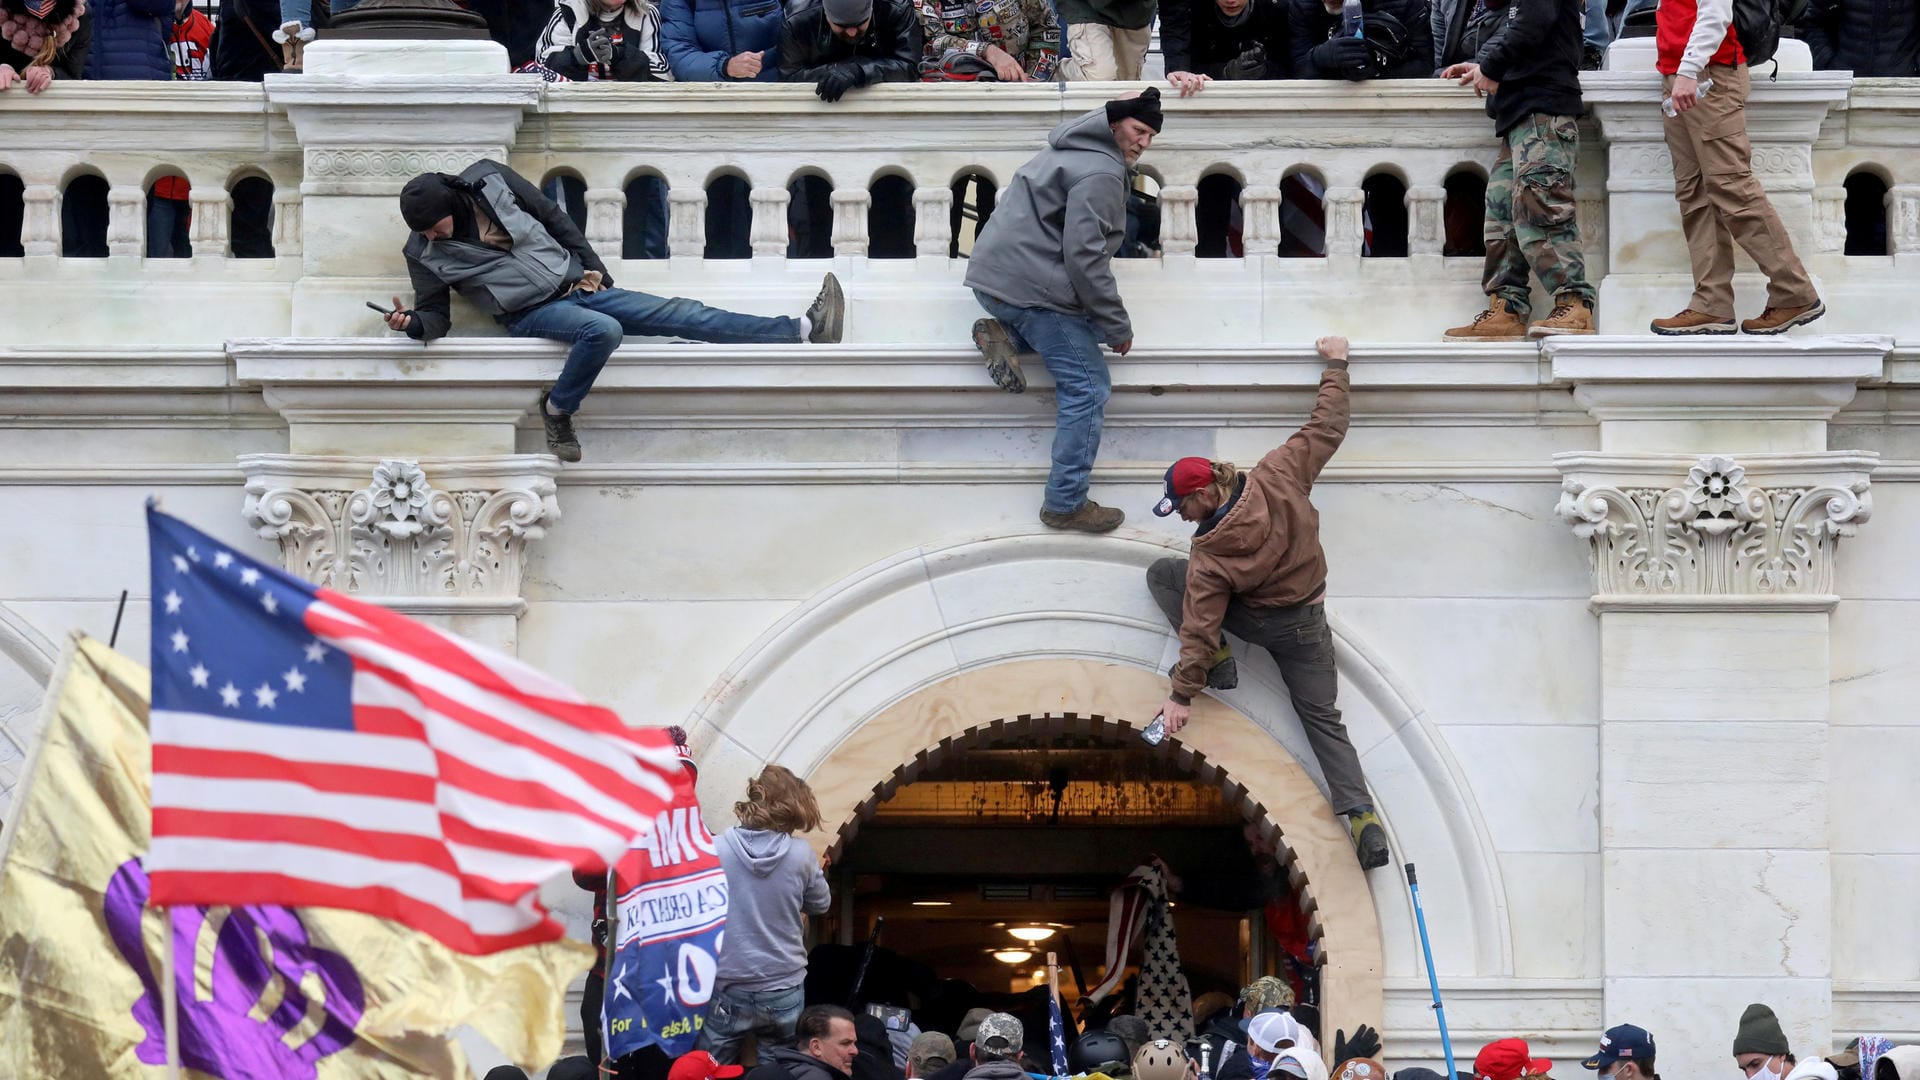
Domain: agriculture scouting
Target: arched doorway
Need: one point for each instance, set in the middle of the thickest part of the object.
(1255, 775)
(1002, 844)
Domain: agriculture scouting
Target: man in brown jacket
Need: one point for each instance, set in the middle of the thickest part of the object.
(1258, 572)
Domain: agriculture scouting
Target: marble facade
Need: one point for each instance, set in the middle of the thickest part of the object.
(1627, 626)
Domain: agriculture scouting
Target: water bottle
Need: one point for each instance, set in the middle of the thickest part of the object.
(1206, 1062)
(1156, 732)
(1666, 104)
(1353, 23)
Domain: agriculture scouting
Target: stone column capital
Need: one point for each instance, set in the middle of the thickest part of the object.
(1715, 532)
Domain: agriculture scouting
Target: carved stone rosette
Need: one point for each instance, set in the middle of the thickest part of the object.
(1724, 530)
(453, 529)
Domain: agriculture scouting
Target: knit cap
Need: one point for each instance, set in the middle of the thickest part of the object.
(1759, 1032)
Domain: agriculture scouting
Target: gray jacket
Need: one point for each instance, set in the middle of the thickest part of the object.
(773, 882)
(1051, 239)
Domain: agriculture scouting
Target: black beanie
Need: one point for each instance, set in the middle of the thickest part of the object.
(426, 199)
(1145, 108)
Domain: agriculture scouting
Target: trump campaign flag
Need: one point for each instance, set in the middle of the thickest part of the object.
(311, 749)
(264, 993)
(668, 919)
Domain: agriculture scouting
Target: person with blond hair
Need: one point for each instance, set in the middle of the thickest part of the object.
(773, 883)
(1257, 570)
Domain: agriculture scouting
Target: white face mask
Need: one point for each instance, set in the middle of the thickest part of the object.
(1767, 1071)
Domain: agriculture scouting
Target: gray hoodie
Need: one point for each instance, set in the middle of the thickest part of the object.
(772, 879)
(1051, 239)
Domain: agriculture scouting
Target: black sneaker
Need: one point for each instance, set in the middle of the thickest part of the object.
(1592, 58)
(1224, 675)
(561, 440)
(1003, 363)
(828, 313)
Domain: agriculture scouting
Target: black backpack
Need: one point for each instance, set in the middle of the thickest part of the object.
(1757, 23)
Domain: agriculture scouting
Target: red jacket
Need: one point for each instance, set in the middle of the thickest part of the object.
(1674, 26)
(190, 43)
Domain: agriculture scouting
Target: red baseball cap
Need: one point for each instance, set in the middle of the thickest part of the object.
(699, 1065)
(1505, 1059)
(1184, 477)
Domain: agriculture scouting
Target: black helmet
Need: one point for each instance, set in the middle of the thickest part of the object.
(1097, 1051)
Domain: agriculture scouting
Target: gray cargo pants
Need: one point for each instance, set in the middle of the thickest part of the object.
(1300, 643)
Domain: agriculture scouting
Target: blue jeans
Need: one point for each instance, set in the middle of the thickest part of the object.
(595, 322)
(1071, 349)
(168, 228)
(301, 11)
(768, 1015)
(1598, 33)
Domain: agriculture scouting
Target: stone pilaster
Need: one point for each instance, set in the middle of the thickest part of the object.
(1714, 514)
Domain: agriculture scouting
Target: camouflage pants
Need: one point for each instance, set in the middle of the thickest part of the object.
(1530, 214)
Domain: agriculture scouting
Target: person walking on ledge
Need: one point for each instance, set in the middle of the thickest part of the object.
(518, 257)
(1043, 270)
(1721, 202)
(1257, 571)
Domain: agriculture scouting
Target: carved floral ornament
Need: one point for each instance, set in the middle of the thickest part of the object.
(399, 535)
(1715, 534)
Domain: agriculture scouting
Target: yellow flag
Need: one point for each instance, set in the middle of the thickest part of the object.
(264, 993)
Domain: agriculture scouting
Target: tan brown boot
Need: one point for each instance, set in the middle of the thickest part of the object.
(1497, 323)
(1688, 321)
(1779, 320)
(1570, 315)
(1089, 517)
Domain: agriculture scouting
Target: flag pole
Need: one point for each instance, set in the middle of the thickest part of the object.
(169, 997)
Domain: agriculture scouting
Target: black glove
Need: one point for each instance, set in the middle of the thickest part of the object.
(836, 83)
(1343, 57)
(1251, 64)
(1364, 1044)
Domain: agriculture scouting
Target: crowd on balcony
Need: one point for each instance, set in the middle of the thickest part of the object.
(840, 45)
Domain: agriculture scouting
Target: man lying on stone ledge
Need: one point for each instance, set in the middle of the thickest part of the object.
(518, 257)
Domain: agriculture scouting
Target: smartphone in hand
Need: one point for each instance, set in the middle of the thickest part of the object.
(381, 310)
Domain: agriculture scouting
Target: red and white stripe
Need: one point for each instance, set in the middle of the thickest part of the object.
(468, 780)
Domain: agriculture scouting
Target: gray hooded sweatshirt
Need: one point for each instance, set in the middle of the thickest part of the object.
(1051, 239)
(772, 879)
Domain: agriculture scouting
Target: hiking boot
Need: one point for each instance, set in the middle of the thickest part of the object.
(1497, 323)
(1003, 363)
(1689, 321)
(561, 441)
(1224, 675)
(828, 315)
(1570, 315)
(1369, 839)
(1090, 517)
(1779, 320)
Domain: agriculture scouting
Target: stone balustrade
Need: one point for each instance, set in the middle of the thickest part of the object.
(335, 145)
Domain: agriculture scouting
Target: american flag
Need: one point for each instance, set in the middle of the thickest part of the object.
(313, 750)
(1056, 1033)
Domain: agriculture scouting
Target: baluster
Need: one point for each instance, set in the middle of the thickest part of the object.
(770, 221)
(1260, 219)
(1426, 220)
(1179, 228)
(40, 226)
(850, 207)
(606, 212)
(1346, 231)
(1830, 219)
(287, 217)
(1903, 219)
(932, 221)
(126, 220)
(687, 221)
(208, 230)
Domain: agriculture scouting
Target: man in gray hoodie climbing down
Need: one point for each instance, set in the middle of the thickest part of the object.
(1043, 270)
(773, 883)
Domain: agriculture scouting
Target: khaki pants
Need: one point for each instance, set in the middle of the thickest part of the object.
(1721, 202)
(1105, 53)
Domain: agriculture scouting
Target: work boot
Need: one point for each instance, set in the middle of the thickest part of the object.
(1570, 315)
(1497, 323)
(828, 315)
(1779, 320)
(1224, 674)
(1089, 517)
(1689, 321)
(1369, 838)
(561, 440)
(1003, 362)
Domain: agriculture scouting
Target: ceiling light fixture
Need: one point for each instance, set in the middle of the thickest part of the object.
(933, 903)
(1013, 956)
(1031, 934)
